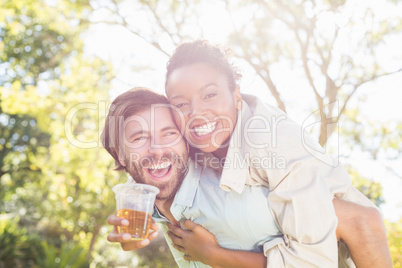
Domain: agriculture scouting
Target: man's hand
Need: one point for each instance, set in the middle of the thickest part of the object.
(197, 243)
(125, 238)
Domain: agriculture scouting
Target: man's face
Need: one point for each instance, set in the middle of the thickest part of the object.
(155, 152)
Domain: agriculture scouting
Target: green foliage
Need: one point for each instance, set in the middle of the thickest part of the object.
(58, 188)
(69, 255)
(394, 234)
(372, 136)
(35, 38)
(17, 247)
(157, 254)
(368, 187)
(159, 248)
(21, 140)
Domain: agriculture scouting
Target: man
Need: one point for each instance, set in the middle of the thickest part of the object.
(143, 139)
(223, 125)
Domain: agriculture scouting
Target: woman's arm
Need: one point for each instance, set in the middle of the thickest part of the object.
(198, 244)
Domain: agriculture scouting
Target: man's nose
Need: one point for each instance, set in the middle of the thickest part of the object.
(156, 147)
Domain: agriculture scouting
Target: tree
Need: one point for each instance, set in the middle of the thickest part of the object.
(334, 48)
(61, 190)
(395, 241)
(54, 173)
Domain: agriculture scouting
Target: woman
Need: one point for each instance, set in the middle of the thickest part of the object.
(305, 193)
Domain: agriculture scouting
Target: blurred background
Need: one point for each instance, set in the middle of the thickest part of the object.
(335, 66)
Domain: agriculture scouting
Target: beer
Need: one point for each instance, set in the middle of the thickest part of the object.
(139, 223)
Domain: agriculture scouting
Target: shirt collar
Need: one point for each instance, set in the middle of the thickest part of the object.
(158, 217)
(236, 167)
(186, 194)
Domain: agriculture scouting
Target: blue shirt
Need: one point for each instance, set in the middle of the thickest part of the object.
(238, 221)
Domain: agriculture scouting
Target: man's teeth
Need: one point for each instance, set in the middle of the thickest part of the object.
(160, 165)
(205, 129)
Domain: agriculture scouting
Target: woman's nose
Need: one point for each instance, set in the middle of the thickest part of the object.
(196, 109)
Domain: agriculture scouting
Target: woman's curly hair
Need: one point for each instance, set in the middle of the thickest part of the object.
(201, 51)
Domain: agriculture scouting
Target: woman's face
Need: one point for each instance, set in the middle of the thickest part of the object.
(206, 108)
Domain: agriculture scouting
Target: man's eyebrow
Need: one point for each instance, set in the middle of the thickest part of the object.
(200, 89)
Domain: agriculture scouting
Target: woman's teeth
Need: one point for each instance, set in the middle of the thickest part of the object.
(205, 129)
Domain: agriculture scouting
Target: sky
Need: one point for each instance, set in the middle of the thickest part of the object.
(382, 97)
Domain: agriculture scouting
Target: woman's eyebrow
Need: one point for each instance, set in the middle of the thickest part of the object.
(207, 85)
(200, 89)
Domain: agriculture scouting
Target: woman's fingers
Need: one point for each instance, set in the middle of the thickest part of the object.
(179, 248)
(188, 257)
(189, 225)
(178, 231)
(175, 239)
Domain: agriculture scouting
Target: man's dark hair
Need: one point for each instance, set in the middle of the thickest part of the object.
(201, 51)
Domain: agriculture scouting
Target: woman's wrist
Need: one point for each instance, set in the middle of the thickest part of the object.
(212, 257)
(218, 257)
(224, 258)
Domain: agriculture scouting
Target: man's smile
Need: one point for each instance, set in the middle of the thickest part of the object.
(160, 171)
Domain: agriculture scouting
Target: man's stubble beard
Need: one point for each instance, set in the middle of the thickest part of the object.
(168, 189)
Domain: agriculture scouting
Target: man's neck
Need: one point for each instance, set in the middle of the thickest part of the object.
(164, 208)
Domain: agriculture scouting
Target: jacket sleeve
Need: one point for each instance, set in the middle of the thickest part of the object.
(302, 190)
(302, 207)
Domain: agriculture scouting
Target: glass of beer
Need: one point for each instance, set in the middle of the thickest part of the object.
(135, 203)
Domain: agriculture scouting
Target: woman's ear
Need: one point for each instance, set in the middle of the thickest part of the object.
(237, 98)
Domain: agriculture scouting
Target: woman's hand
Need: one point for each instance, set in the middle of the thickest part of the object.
(197, 243)
(125, 239)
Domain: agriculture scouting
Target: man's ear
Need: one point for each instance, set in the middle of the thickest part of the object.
(237, 98)
(122, 162)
